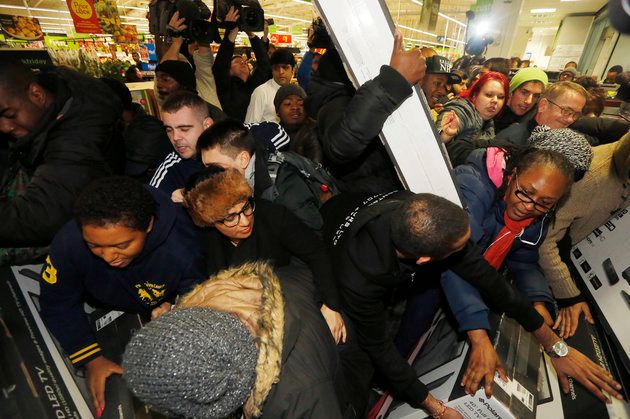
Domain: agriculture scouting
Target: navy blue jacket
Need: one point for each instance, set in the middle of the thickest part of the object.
(171, 262)
(486, 220)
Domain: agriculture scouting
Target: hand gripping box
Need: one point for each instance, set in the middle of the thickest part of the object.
(442, 361)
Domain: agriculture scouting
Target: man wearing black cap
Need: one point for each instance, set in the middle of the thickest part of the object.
(437, 78)
(171, 76)
(261, 106)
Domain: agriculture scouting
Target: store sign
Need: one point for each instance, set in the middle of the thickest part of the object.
(281, 38)
(84, 16)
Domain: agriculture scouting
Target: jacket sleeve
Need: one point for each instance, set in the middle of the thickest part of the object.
(304, 244)
(346, 133)
(528, 278)
(61, 300)
(465, 302)
(470, 265)
(364, 306)
(206, 85)
(304, 70)
(222, 63)
(262, 73)
(606, 130)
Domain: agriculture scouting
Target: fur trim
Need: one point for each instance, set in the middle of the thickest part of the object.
(211, 199)
(265, 313)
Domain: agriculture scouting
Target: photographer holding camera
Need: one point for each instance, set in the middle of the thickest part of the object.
(202, 56)
(234, 82)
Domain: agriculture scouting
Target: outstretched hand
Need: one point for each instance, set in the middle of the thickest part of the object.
(335, 324)
(410, 64)
(449, 126)
(587, 373)
(98, 370)
(482, 364)
(569, 318)
(176, 23)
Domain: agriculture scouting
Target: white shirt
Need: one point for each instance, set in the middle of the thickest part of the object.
(261, 107)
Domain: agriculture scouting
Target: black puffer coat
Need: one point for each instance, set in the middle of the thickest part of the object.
(349, 127)
(64, 152)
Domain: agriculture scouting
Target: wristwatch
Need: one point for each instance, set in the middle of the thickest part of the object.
(559, 349)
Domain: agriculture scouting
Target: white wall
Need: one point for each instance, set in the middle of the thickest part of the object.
(502, 22)
(539, 46)
(523, 35)
(569, 41)
(621, 53)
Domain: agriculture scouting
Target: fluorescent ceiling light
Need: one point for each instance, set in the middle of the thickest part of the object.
(144, 9)
(288, 18)
(550, 10)
(303, 2)
(417, 2)
(417, 30)
(53, 18)
(133, 17)
(37, 9)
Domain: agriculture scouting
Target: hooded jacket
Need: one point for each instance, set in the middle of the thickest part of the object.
(349, 126)
(170, 264)
(473, 132)
(486, 221)
(297, 367)
(65, 151)
(371, 279)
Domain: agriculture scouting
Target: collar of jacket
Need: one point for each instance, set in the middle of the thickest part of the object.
(251, 292)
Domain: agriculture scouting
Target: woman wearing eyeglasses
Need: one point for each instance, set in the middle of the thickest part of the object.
(243, 229)
(510, 197)
(467, 122)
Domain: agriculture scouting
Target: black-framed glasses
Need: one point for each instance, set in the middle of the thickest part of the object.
(233, 219)
(565, 111)
(525, 198)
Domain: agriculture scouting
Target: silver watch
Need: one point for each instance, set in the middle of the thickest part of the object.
(559, 349)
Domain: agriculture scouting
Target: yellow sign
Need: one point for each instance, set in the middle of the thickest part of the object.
(82, 8)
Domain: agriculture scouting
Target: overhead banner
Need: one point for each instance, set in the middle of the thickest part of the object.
(84, 16)
(21, 27)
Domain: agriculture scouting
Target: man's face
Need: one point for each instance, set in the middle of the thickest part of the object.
(117, 244)
(282, 73)
(239, 68)
(166, 84)
(562, 111)
(525, 97)
(434, 87)
(566, 76)
(20, 113)
(183, 128)
(135, 56)
(291, 110)
(215, 155)
(611, 76)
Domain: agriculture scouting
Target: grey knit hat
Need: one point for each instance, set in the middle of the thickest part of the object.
(571, 144)
(285, 91)
(192, 362)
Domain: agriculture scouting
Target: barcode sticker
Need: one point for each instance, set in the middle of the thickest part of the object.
(107, 319)
(524, 395)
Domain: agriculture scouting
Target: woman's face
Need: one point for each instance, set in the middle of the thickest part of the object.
(490, 100)
(242, 216)
(534, 192)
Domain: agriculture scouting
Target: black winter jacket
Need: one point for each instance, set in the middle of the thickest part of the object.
(370, 275)
(349, 127)
(233, 93)
(64, 152)
(278, 236)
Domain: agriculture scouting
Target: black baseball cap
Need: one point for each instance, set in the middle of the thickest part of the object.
(442, 65)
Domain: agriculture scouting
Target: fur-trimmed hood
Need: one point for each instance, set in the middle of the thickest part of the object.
(251, 292)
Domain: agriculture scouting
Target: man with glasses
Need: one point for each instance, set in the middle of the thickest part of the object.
(559, 106)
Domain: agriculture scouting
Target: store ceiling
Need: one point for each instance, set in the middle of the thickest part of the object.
(298, 12)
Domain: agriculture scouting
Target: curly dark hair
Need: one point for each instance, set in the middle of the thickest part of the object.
(115, 200)
(428, 225)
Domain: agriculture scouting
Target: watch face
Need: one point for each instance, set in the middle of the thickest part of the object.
(560, 348)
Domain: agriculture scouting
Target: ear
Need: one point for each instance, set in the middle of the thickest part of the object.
(207, 122)
(423, 259)
(150, 227)
(543, 104)
(242, 159)
(38, 95)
